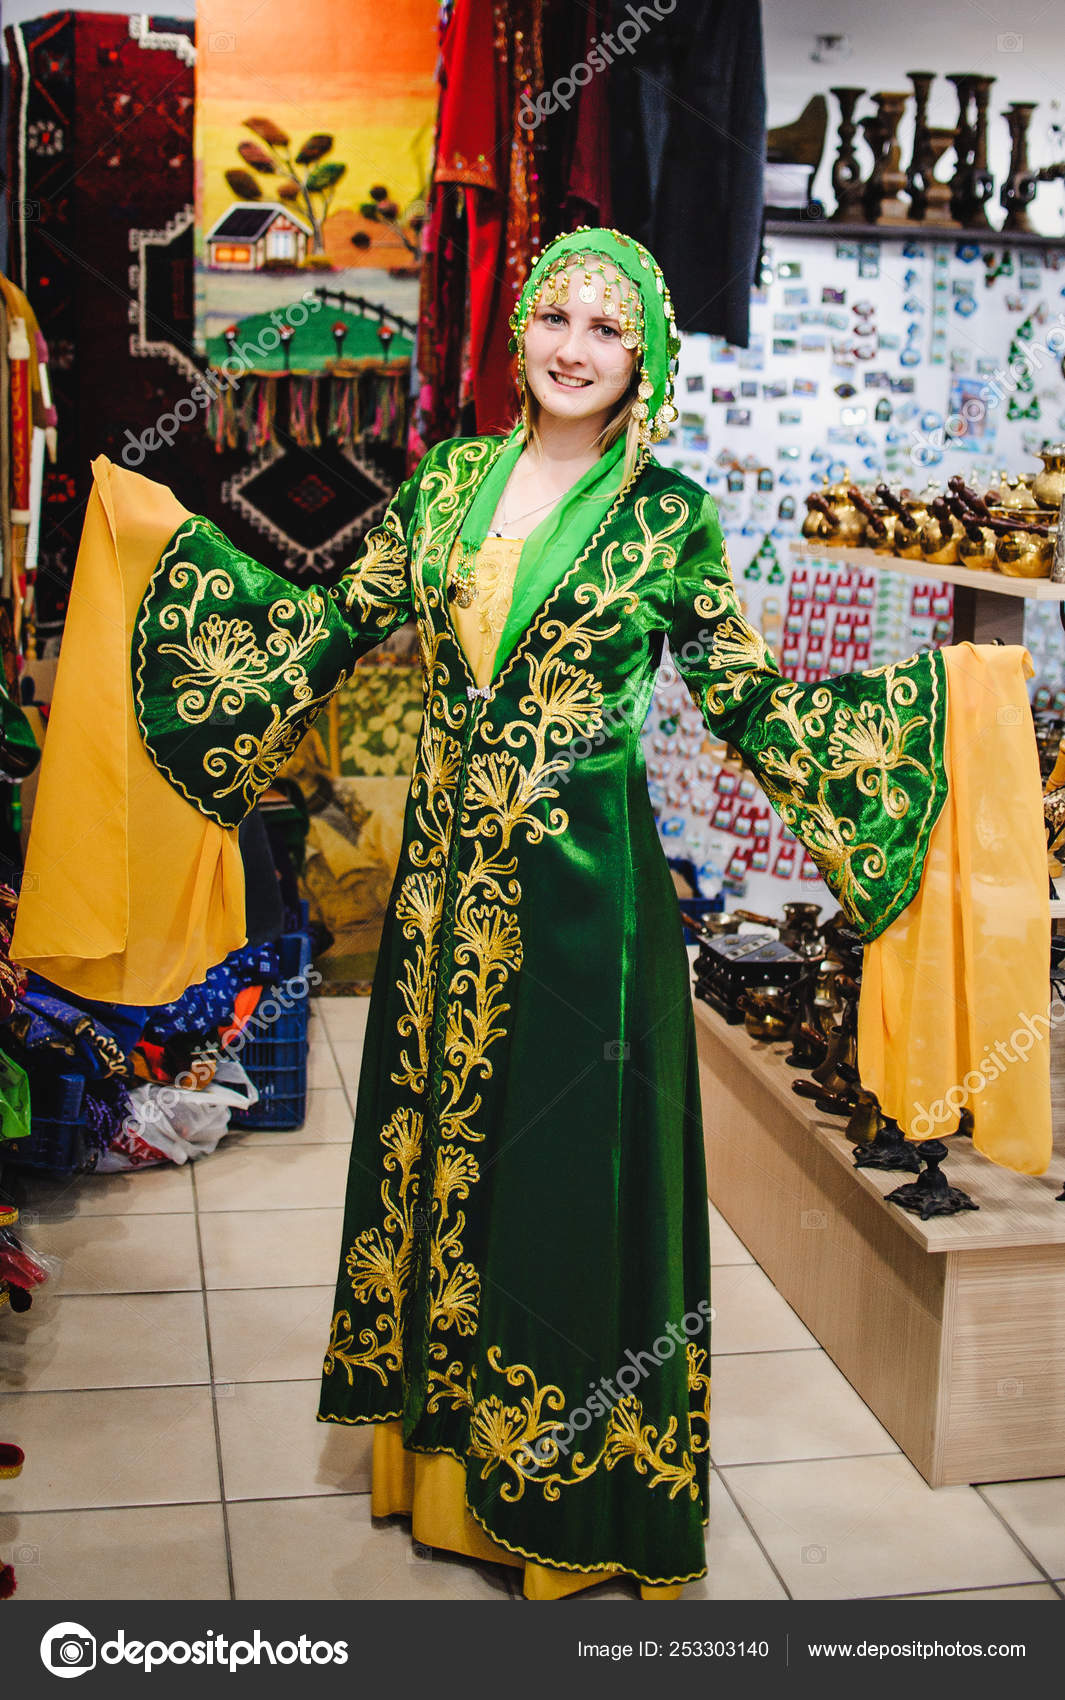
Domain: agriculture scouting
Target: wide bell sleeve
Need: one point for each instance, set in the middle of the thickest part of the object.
(232, 664)
(915, 788)
(188, 674)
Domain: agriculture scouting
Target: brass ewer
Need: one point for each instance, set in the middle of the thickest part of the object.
(832, 517)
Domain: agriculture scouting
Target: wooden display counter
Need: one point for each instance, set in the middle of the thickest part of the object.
(952, 1330)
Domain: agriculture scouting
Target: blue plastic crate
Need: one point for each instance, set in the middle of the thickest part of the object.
(276, 1057)
(58, 1139)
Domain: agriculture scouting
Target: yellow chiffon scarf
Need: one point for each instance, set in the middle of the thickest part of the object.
(955, 1004)
(129, 894)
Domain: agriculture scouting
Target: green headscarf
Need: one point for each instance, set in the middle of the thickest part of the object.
(559, 538)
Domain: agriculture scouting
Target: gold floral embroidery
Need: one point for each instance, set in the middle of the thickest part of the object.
(699, 1384)
(867, 745)
(522, 1440)
(225, 663)
(377, 583)
(379, 1261)
(509, 788)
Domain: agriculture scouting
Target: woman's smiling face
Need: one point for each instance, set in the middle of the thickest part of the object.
(575, 364)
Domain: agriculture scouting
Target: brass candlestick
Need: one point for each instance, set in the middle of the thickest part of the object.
(846, 172)
(921, 160)
(963, 145)
(1018, 191)
(983, 184)
(882, 199)
(937, 194)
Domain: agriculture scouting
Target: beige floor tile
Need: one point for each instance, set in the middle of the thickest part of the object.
(259, 1248)
(736, 1567)
(281, 1177)
(343, 1017)
(1035, 1511)
(859, 1527)
(143, 1253)
(105, 1340)
(272, 1444)
(327, 1122)
(162, 1191)
(122, 1446)
(725, 1246)
(773, 1406)
(321, 1070)
(130, 1554)
(348, 1053)
(750, 1315)
(1031, 1591)
(333, 1551)
(276, 1334)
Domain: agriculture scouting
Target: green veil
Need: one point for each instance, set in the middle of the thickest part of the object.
(570, 526)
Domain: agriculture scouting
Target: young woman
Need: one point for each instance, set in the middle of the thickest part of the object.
(522, 1305)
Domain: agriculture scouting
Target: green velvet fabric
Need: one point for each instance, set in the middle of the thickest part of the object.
(524, 1278)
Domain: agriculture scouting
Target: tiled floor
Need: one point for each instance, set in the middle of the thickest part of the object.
(165, 1388)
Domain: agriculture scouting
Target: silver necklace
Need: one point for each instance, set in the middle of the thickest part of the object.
(509, 519)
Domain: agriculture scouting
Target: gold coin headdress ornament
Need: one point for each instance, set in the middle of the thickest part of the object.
(633, 291)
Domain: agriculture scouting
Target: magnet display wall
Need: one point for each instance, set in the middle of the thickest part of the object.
(906, 359)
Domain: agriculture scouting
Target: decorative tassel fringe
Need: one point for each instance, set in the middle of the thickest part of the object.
(370, 405)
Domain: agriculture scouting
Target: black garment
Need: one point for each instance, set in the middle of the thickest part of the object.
(264, 913)
(687, 152)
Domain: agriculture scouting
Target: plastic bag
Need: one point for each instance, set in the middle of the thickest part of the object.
(172, 1124)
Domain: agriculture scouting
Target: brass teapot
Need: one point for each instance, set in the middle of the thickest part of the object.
(831, 516)
(1026, 551)
(910, 513)
(940, 533)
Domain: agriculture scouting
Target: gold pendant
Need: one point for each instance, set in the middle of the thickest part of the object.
(465, 595)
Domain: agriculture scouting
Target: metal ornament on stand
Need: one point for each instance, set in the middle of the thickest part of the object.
(887, 1148)
(882, 197)
(931, 1194)
(922, 163)
(972, 184)
(1019, 189)
(846, 172)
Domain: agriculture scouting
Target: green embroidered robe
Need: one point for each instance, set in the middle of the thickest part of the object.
(524, 1274)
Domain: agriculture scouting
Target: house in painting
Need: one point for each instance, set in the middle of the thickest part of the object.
(251, 234)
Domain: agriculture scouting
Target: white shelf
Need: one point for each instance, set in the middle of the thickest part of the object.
(935, 572)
